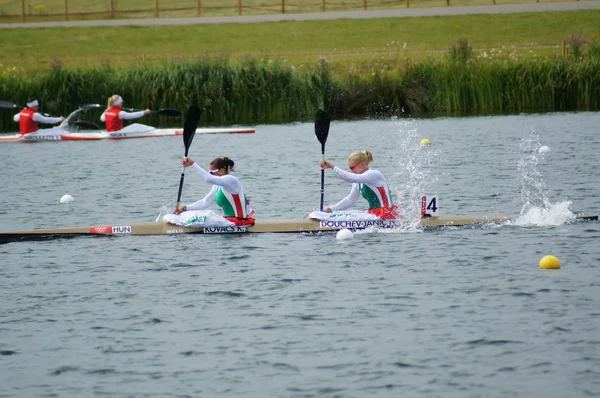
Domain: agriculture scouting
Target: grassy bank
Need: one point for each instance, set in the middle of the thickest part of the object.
(347, 43)
(354, 68)
(262, 91)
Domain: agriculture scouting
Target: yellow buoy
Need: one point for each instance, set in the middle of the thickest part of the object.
(425, 141)
(549, 262)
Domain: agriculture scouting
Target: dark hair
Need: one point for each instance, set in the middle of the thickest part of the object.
(223, 163)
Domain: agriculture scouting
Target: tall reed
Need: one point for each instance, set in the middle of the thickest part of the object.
(508, 87)
(262, 91)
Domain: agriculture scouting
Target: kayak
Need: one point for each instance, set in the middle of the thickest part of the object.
(135, 130)
(306, 225)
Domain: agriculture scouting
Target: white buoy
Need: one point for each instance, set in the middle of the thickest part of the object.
(544, 149)
(66, 199)
(344, 234)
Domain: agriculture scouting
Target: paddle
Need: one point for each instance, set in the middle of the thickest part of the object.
(167, 112)
(85, 107)
(192, 118)
(85, 125)
(322, 131)
(11, 105)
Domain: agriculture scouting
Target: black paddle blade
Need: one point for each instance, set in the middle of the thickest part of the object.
(168, 112)
(322, 121)
(8, 104)
(192, 118)
(85, 125)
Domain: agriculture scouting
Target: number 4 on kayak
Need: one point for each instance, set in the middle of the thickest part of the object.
(429, 206)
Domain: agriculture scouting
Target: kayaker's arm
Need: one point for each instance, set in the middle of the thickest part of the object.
(348, 200)
(204, 202)
(37, 117)
(368, 177)
(230, 183)
(133, 115)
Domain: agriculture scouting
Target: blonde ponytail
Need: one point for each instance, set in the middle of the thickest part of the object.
(365, 157)
(114, 100)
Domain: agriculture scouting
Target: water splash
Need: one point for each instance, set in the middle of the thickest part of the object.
(166, 209)
(553, 214)
(413, 172)
(537, 209)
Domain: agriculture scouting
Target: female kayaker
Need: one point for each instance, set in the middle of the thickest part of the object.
(29, 118)
(227, 191)
(369, 183)
(113, 116)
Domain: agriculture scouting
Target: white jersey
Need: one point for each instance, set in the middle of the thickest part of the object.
(371, 185)
(227, 192)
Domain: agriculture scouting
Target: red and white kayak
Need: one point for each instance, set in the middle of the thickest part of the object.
(135, 130)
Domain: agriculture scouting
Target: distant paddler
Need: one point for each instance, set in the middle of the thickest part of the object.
(29, 118)
(226, 191)
(113, 116)
(369, 183)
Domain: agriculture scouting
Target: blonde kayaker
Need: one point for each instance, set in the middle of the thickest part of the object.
(29, 118)
(369, 183)
(113, 116)
(227, 191)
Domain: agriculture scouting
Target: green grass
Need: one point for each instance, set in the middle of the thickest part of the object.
(284, 71)
(346, 43)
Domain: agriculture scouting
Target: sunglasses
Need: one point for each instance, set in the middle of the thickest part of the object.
(213, 171)
(352, 167)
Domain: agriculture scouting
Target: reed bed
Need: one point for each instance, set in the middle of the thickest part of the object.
(257, 90)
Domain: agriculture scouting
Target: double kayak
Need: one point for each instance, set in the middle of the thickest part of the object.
(72, 129)
(135, 130)
(261, 226)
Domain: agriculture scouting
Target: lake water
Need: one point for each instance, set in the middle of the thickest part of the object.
(454, 312)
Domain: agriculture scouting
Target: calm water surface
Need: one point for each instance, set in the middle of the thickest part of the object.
(458, 312)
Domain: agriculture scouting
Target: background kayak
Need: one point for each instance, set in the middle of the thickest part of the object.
(136, 130)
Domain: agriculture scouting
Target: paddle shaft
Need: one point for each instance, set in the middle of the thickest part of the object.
(164, 112)
(322, 121)
(181, 180)
(192, 117)
(11, 105)
(322, 177)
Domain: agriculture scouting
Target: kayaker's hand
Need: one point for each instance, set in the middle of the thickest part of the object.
(186, 162)
(62, 118)
(327, 210)
(147, 111)
(325, 164)
(179, 210)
